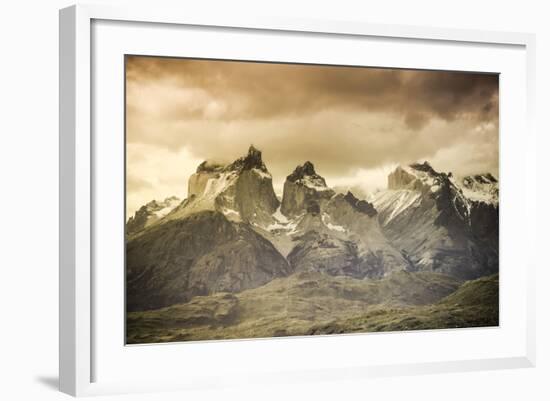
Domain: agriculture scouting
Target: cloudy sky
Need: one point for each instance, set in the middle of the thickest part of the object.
(354, 124)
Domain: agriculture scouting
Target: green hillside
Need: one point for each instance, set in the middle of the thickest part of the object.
(315, 303)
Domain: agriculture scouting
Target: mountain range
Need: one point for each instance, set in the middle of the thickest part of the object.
(232, 239)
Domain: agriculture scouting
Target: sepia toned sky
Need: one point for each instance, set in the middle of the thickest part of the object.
(354, 124)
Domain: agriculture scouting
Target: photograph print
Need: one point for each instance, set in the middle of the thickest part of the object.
(274, 199)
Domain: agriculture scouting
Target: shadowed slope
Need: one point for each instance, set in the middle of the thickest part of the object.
(199, 255)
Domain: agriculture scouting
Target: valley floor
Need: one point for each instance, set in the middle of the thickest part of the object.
(311, 303)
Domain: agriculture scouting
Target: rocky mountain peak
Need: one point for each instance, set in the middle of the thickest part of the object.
(241, 190)
(303, 171)
(438, 218)
(254, 153)
(361, 206)
(150, 213)
(480, 188)
(399, 178)
(302, 188)
(419, 177)
(425, 167)
(253, 159)
(482, 179)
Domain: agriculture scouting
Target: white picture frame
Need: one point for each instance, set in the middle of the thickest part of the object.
(78, 164)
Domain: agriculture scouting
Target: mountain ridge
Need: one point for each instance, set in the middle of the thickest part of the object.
(425, 221)
(429, 218)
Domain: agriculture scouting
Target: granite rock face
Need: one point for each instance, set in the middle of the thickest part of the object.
(400, 179)
(201, 254)
(241, 190)
(362, 206)
(303, 188)
(428, 217)
(341, 236)
(205, 172)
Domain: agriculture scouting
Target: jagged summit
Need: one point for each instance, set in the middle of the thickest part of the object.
(303, 188)
(480, 188)
(425, 167)
(306, 175)
(305, 170)
(253, 159)
(150, 213)
(361, 206)
(486, 178)
(437, 219)
(422, 177)
(241, 190)
(417, 176)
(399, 178)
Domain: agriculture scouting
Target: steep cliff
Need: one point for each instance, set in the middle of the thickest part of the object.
(431, 220)
(198, 255)
(241, 190)
(302, 188)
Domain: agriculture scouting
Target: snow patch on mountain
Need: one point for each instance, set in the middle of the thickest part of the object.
(231, 214)
(169, 204)
(282, 223)
(150, 213)
(326, 221)
(316, 183)
(417, 176)
(279, 216)
(425, 176)
(480, 188)
(215, 186)
(395, 201)
(262, 174)
(439, 222)
(241, 190)
(303, 189)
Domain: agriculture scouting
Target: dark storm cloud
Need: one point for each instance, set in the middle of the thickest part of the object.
(265, 91)
(346, 120)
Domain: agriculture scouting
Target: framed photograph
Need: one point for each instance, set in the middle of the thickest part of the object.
(266, 200)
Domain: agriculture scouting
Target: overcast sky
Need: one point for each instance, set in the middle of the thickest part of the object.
(354, 124)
